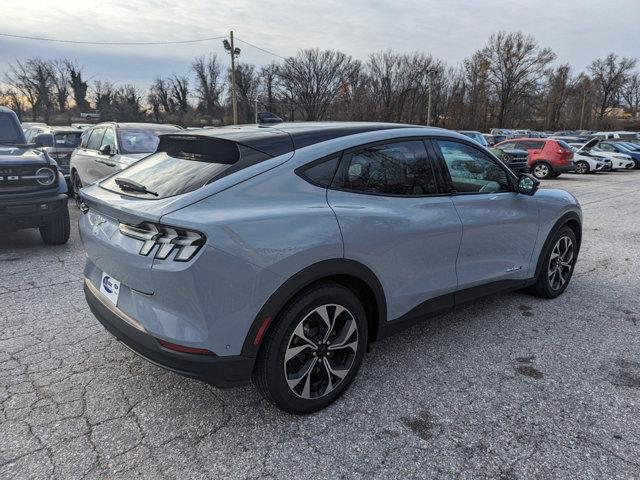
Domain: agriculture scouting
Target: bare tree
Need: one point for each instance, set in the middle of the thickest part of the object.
(247, 85)
(159, 91)
(60, 80)
(313, 78)
(631, 94)
(180, 92)
(208, 84)
(559, 83)
(32, 79)
(268, 79)
(475, 71)
(516, 67)
(608, 76)
(11, 97)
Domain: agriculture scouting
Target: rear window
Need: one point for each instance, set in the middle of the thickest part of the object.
(564, 144)
(184, 164)
(9, 130)
(67, 139)
(132, 140)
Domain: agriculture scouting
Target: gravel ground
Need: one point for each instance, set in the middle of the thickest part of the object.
(509, 387)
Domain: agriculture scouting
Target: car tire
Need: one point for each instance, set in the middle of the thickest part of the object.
(542, 170)
(76, 185)
(302, 380)
(557, 265)
(582, 167)
(57, 231)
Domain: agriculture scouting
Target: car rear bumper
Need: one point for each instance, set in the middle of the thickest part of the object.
(223, 372)
(31, 211)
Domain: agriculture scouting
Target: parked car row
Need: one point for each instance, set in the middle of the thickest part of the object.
(276, 255)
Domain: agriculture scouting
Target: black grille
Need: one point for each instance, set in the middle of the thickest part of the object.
(15, 178)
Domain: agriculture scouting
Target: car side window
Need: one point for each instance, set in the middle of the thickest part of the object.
(399, 168)
(95, 140)
(471, 170)
(109, 139)
(320, 172)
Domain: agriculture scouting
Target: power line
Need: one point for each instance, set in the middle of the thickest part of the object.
(263, 49)
(83, 42)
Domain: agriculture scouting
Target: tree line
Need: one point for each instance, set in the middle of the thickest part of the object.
(512, 81)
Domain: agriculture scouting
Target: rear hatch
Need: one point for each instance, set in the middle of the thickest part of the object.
(131, 203)
(64, 143)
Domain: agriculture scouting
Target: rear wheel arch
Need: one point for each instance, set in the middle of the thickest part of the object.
(353, 275)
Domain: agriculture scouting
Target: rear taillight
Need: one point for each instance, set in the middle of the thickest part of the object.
(185, 243)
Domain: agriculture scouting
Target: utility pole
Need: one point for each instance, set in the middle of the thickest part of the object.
(234, 52)
(585, 92)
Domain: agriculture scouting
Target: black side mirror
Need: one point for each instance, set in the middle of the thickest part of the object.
(105, 150)
(527, 185)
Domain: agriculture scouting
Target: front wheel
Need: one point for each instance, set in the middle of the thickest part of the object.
(557, 265)
(57, 231)
(582, 167)
(313, 351)
(542, 171)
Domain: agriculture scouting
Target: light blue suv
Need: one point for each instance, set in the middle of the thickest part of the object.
(278, 253)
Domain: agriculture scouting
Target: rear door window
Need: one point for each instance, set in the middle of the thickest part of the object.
(183, 164)
(399, 168)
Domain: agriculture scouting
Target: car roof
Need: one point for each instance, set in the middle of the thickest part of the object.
(280, 138)
(139, 125)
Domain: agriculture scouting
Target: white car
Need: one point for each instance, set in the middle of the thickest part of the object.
(586, 163)
(618, 160)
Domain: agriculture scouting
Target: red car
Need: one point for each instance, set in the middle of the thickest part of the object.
(548, 158)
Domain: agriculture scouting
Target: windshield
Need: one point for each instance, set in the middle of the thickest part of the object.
(9, 130)
(563, 144)
(67, 139)
(141, 140)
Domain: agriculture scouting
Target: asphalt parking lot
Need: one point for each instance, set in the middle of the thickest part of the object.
(508, 387)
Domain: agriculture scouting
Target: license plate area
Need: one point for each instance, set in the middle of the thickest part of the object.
(110, 288)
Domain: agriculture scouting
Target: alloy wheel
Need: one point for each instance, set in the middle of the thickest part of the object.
(561, 262)
(320, 351)
(541, 170)
(582, 167)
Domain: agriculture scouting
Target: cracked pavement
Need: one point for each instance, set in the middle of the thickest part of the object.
(508, 387)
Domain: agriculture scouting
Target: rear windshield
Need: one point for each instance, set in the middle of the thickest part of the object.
(67, 139)
(139, 140)
(564, 144)
(184, 164)
(9, 132)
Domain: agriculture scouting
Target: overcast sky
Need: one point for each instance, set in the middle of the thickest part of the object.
(578, 31)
